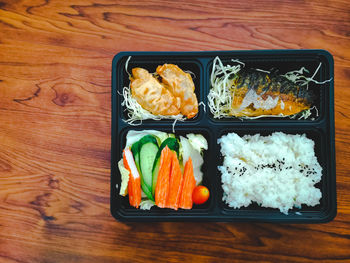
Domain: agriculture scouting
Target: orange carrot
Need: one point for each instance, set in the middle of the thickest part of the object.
(189, 183)
(175, 184)
(134, 184)
(163, 180)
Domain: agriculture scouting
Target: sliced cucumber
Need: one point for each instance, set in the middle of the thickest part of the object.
(155, 174)
(147, 191)
(135, 149)
(171, 135)
(148, 154)
(146, 139)
(148, 149)
(173, 145)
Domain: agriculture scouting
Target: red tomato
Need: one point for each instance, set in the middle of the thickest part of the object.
(200, 195)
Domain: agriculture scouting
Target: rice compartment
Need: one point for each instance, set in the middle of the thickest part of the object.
(277, 171)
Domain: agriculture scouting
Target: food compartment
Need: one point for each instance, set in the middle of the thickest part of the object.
(280, 64)
(150, 63)
(318, 128)
(324, 210)
(120, 206)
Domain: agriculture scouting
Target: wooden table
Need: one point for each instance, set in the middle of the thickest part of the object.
(55, 118)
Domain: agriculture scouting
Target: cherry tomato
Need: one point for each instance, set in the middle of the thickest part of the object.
(200, 194)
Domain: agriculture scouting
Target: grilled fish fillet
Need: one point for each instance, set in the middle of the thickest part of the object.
(255, 93)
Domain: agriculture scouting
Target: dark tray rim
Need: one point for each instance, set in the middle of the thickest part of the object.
(331, 214)
(323, 52)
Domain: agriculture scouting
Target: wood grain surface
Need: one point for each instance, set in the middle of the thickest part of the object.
(55, 117)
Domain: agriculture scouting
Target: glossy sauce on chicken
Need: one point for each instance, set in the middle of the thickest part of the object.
(173, 95)
(181, 86)
(152, 95)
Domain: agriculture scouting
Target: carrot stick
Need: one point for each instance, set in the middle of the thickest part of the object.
(175, 184)
(163, 180)
(134, 184)
(189, 183)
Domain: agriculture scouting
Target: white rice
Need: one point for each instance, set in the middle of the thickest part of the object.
(276, 171)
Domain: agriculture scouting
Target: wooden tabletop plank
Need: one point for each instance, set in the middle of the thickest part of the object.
(55, 117)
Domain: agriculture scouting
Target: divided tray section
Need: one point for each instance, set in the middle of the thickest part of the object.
(306, 213)
(150, 63)
(121, 208)
(320, 129)
(281, 64)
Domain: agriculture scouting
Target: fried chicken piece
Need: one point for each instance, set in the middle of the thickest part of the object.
(152, 95)
(181, 86)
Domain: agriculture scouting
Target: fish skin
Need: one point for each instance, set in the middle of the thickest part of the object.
(271, 84)
(253, 79)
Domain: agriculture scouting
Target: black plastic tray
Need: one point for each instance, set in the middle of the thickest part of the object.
(321, 130)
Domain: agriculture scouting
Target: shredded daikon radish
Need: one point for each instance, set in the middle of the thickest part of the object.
(297, 77)
(135, 113)
(222, 89)
(219, 97)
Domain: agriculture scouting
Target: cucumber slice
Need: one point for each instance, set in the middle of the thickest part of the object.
(146, 177)
(148, 154)
(147, 139)
(155, 174)
(135, 149)
(173, 145)
(171, 135)
(148, 149)
(147, 191)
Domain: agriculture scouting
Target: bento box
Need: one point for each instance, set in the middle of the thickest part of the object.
(319, 127)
